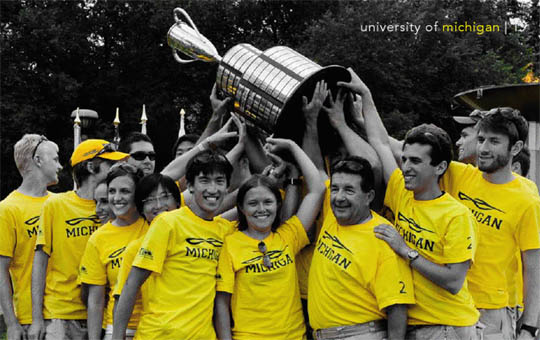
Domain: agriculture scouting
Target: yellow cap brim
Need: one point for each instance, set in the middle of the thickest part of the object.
(114, 156)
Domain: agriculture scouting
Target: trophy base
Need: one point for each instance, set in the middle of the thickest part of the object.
(291, 123)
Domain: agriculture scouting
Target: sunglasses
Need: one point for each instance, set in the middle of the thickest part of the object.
(107, 148)
(141, 155)
(266, 258)
(41, 140)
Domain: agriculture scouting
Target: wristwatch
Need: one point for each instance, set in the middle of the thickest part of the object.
(531, 329)
(293, 181)
(412, 255)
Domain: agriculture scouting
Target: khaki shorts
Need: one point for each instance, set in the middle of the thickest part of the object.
(441, 332)
(500, 323)
(59, 329)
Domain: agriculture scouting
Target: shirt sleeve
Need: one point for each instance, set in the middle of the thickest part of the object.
(155, 246)
(452, 177)
(294, 234)
(327, 208)
(44, 236)
(393, 280)
(528, 230)
(7, 232)
(459, 243)
(91, 270)
(225, 277)
(125, 268)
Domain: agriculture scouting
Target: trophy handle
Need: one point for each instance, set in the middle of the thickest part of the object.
(179, 10)
(180, 60)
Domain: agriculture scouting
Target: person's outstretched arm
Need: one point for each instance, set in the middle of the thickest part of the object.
(309, 208)
(311, 110)
(375, 130)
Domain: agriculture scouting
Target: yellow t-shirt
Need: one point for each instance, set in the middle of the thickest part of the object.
(127, 262)
(508, 216)
(443, 231)
(354, 275)
(103, 259)
(182, 251)
(66, 223)
(19, 217)
(514, 273)
(265, 302)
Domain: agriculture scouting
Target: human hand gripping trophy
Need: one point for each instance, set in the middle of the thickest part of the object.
(266, 87)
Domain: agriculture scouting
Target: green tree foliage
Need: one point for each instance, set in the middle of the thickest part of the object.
(103, 54)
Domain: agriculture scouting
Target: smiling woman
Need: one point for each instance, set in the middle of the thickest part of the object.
(257, 284)
(103, 255)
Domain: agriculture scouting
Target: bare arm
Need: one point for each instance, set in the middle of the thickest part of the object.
(137, 276)
(39, 273)
(255, 153)
(176, 169)
(96, 305)
(355, 145)
(397, 321)
(311, 203)
(311, 110)
(376, 132)
(531, 286)
(14, 329)
(449, 276)
(222, 316)
(220, 110)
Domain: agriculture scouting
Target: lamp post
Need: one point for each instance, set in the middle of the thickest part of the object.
(182, 130)
(84, 120)
(144, 119)
(116, 123)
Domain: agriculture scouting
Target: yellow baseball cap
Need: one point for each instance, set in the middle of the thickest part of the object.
(91, 148)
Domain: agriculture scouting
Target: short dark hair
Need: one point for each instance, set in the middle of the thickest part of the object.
(124, 169)
(258, 180)
(150, 183)
(355, 165)
(132, 137)
(208, 162)
(524, 159)
(193, 138)
(80, 171)
(434, 136)
(506, 121)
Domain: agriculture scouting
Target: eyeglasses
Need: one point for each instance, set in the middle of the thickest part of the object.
(41, 140)
(107, 148)
(141, 155)
(266, 258)
(154, 200)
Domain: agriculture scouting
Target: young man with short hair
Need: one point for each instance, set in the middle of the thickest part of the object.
(508, 215)
(433, 231)
(37, 160)
(370, 285)
(178, 258)
(67, 221)
(141, 150)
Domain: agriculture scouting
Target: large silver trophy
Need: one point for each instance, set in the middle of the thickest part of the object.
(267, 87)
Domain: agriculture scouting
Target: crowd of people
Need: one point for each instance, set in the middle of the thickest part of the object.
(238, 238)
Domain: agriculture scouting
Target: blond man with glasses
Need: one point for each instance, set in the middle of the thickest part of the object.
(37, 160)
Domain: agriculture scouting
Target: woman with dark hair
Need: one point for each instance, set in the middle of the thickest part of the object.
(155, 194)
(102, 257)
(257, 283)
